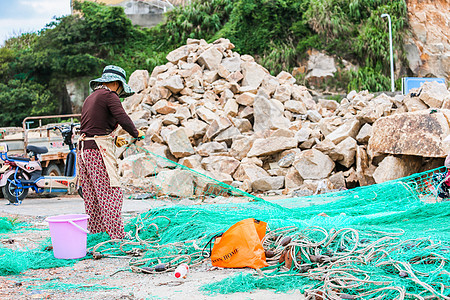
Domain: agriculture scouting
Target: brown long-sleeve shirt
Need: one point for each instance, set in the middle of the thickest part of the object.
(101, 113)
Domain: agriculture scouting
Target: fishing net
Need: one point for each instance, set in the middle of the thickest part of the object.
(385, 241)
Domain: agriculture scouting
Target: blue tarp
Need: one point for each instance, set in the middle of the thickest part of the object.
(409, 83)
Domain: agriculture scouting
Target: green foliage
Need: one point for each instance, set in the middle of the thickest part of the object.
(279, 57)
(255, 25)
(367, 78)
(199, 20)
(20, 99)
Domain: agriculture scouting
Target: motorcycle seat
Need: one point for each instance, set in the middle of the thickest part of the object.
(37, 150)
(13, 157)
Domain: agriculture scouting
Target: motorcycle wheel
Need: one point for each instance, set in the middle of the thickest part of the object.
(9, 189)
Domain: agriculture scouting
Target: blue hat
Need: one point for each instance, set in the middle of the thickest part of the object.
(113, 73)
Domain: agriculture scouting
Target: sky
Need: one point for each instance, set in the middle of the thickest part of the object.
(21, 16)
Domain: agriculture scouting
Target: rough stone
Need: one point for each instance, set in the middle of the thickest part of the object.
(192, 162)
(295, 106)
(138, 166)
(433, 93)
(179, 144)
(269, 84)
(313, 115)
(170, 119)
(156, 94)
(227, 135)
(364, 134)
(292, 180)
(414, 133)
(268, 114)
(246, 99)
(178, 54)
(329, 104)
(153, 129)
(196, 127)
(393, 167)
(211, 58)
(286, 159)
(249, 172)
(231, 108)
(205, 114)
(207, 149)
(364, 169)
(243, 125)
(282, 133)
(268, 183)
(164, 107)
(283, 92)
(320, 66)
(158, 70)
(240, 147)
(346, 148)
(216, 127)
(166, 159)
(313, 164)
(285, 78)
(132, 103)
(138, 80)
(176, 183)
(348, 129)
(414, 103)
(232, 64)
(271, 145)
(303, 134)
(337, 180)
(173, 83)
(253, 74)
(220, 164)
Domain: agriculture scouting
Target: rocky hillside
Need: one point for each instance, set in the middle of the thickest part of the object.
(222, 114)
(428, 49)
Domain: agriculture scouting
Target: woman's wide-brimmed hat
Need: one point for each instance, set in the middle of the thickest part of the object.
(113, 73)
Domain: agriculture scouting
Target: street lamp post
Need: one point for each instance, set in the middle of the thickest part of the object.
(391, 52)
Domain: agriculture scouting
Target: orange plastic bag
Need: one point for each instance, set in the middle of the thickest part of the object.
(240, 246)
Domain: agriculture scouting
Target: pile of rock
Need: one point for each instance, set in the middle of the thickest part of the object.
(224, 115)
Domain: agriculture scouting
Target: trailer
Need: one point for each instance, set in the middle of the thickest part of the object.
(18, 138)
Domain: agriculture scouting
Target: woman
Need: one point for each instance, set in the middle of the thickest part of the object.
(102, 112)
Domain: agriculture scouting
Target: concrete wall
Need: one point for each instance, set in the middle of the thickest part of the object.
(143, 13)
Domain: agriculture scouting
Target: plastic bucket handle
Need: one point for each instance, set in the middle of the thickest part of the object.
(77, 226)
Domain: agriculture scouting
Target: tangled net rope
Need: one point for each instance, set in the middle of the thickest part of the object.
(385, 241)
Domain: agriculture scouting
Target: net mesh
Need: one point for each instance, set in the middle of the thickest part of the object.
(384, 241)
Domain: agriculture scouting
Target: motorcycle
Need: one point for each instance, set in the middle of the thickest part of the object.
(25, 173)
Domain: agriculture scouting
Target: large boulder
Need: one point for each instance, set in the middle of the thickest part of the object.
(271, 145)
(211, 58)
(268, 183)
(139, 80)
(253, 74)
(348, 129)
(179, 144)
(268, 114)
(175, 183)
(418, 133)
(313, 164)
(220, 164)
(392, 167)
(249, 171)
(433, 93)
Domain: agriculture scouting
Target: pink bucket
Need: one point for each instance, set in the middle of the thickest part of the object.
(69, 235)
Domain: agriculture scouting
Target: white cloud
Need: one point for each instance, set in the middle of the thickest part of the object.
(31, 16)
(48, 7)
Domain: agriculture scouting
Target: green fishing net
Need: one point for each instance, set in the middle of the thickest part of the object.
(384, 241)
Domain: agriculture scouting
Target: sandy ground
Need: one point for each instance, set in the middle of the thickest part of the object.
(93, 273)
